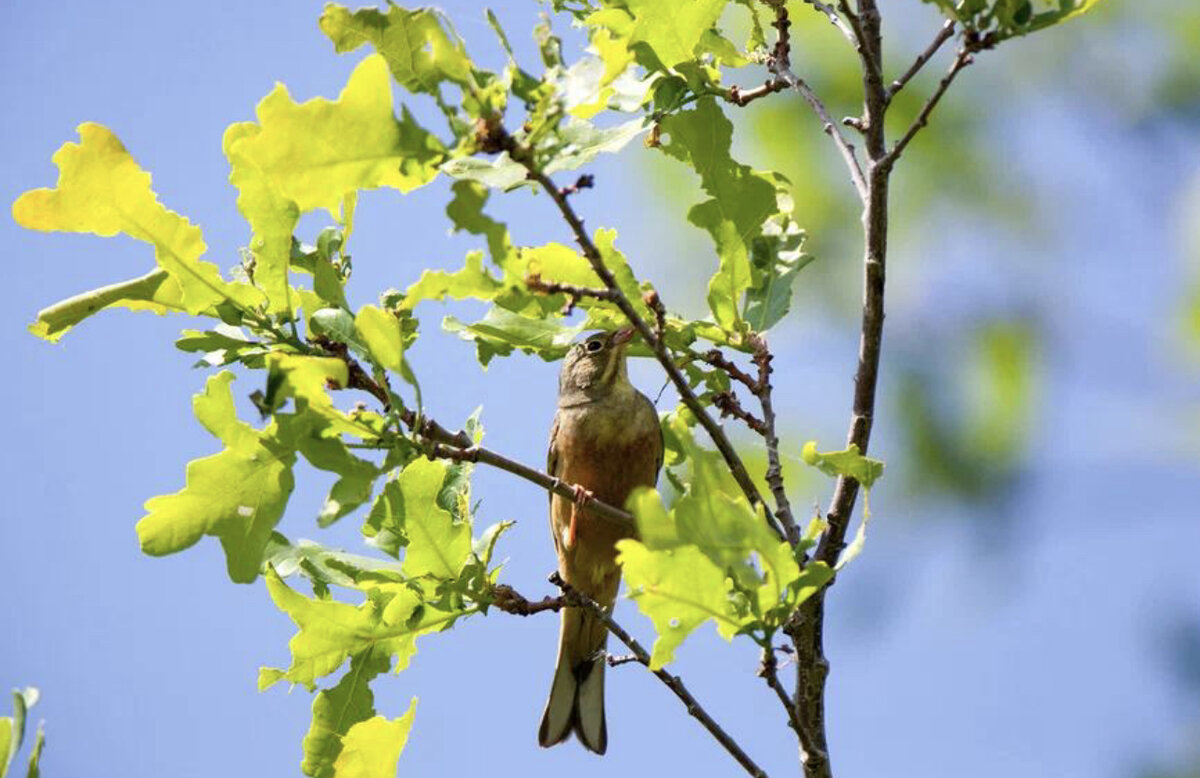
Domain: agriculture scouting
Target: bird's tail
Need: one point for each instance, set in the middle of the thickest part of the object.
(576, 702)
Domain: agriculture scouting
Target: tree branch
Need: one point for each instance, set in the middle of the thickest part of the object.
(761, 388)
(729, 405)
(780, 65)
(769, 671)
(577, 598)
(459, 447)
(509, 600)
(961, 60)
(834, 19)
(944, 34)
(807, 626)
(741, 97)
(774, 474)
(549, 483)
(574, 293)
(868, 54)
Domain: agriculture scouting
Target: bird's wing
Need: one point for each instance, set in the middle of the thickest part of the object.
(552, 453)
(552, 468)
(658, 461)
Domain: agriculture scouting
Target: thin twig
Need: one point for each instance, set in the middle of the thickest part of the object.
(574, 292)
(944, 34)
(768, 670)
(834, 19)
(729, 405)
(740, 97)
(867, 53)
(718, 360)
(961, 60)
(673, 682)
(509, 600)
(780, 65)
(459, 447)
(830, 128)
(774, 474)
(616, 660)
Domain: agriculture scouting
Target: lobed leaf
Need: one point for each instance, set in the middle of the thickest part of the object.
(407, 514)
(337, 710)
(678, 589)
(1011, 18)
(372, 748)
(848, 462)
(501, 331)
(156, 291)
(419, 50)
(237, 495)
(741, 201)
(711, 556)
(102, 190)
(670, 30)
(388, 623)
(776, 259)
(472, 281)
(326, 567)
(302, 156)
(379, 331)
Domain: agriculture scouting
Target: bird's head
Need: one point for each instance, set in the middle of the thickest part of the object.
(594, 369)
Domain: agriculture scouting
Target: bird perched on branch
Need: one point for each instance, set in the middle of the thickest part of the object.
(606, 440)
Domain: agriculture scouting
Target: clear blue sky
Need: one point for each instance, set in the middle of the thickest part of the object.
(1034, 652)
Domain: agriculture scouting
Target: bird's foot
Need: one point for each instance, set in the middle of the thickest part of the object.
(582, 498)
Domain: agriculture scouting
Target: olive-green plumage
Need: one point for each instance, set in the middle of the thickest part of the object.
(605, 439)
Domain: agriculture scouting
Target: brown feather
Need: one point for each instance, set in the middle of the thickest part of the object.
(609, 447)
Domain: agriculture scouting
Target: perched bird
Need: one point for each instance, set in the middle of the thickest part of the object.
(605, 440)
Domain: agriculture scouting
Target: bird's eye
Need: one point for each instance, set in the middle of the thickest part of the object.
(593, 346)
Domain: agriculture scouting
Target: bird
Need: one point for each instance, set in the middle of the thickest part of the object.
(605, 441)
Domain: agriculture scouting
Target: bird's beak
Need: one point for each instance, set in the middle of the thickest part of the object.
(621, 337)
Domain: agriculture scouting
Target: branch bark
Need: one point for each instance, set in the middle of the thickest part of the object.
(458, 446)
(807, 629)
(780, 65)
(944, 34)
(807, 626)
(961, 60)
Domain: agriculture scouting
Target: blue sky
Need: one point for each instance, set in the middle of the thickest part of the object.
(1029, 652)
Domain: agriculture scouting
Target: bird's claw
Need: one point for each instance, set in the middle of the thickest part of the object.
(582, 498)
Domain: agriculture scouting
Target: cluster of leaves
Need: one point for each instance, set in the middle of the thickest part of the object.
(12, 734)
(711, 555)
(1001, 19)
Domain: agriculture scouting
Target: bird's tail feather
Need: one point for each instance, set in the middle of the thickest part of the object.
(576, 702)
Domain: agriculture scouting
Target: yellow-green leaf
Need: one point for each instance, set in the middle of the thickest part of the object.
(678, 589)
(299, 157)
(849, 462)
(418, 49)
(372, 748)
(379, 330)
(102, 190)
(156, 291)
(237, 495)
